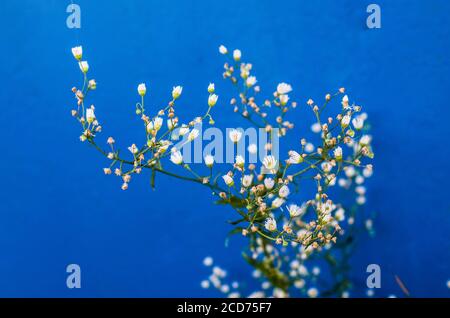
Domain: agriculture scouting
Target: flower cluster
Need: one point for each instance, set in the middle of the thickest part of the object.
(281, 272)
(262, 198)
(161, 130)
(262, 194)
(302, 279)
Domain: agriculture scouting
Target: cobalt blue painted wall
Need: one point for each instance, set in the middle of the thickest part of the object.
(56, 206)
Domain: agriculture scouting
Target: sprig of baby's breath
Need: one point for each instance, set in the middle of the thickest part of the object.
(259, 196)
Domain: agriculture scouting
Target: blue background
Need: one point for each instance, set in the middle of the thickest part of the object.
(57, 207)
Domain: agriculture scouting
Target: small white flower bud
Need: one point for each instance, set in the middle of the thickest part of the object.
(77, 52)
(176, 92)
(223, 49)
(212, 100)
(237, 55)
(84, 66)
(142, 89)
(209, 161)
(211, 88)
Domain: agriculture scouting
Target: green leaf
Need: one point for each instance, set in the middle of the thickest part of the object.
(233, 201)
(275, 276)
(237, 221)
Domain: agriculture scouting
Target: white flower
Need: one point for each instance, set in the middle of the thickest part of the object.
(345, 121)
(92, 84)
(345, 101)
(294, 210)
(295, 264)
(212, 100)
(142, 89)
(316, 128)
(265, 285)
(252, 148)
(294, 157)
(193, 134)
(284, 99)
(247, 180)
(154, 124)
(338, 153)
(257, 294)
(309, 147)
(176, 158)
(302, 270)
(325, 208)
(237, 55)
(240, 161)
(284, 191)
(367, 172)
(84, 66)
(211, 88)
(209, 161)
(176, 92)
(299, 283)
(223, 49)
(270, 162)
(205, 284)
(164, 146)
(269, 183)
(331, 180)
(208, 261)
(171, 124)
(228, 180)
(365, 140)
(270, 224)
(245, 71)
(225, 289)
(277, 202)
(215, 281)
(235, 135)
(361, 190)
(316, 270)
(359, 180)
(251, 80)
(350, 171)
(312, 292)
(279, 293)
(284, 88)
(90, 116)
(77, 52)
(183, 130)
(133, 149)
(361, 200)
(340, 214)
(217, 271)
(358, 123)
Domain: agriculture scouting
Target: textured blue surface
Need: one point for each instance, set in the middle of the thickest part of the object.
(57, 207)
